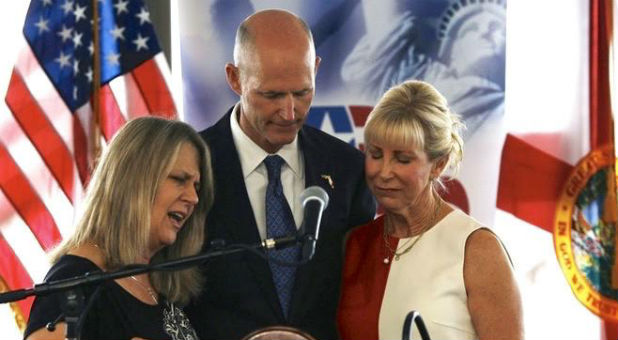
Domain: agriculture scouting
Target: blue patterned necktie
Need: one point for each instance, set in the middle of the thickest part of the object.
(279, 223)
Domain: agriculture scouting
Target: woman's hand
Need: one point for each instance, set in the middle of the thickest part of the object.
(44, 334)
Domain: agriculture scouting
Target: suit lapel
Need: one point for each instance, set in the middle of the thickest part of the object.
(234, 208)
(316, 166)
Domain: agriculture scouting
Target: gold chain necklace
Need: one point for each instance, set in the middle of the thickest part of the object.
(146, 288)
(393, 252)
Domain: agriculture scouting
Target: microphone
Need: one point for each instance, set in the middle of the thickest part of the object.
(314, 200)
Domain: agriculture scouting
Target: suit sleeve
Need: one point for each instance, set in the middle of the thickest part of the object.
(363, 208)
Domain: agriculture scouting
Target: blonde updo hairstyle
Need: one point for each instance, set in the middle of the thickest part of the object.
(414, 113)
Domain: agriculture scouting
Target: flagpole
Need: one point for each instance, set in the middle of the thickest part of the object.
(96, 88)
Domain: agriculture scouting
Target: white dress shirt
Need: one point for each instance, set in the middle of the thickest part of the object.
(255, 174)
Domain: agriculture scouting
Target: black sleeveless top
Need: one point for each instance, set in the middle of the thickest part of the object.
(113, 314)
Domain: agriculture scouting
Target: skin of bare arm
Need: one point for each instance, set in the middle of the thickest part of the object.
(494, 300)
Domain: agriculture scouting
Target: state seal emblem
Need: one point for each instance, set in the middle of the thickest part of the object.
(585, 236)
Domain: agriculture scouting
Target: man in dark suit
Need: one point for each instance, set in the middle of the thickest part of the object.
(274, 75)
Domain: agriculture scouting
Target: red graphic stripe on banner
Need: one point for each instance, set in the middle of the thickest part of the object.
(41, 133)
(154, 89)
(26, 202)
(530, 182)
(360, 114)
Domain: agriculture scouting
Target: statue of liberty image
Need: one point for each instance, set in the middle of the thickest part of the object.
(463, 58)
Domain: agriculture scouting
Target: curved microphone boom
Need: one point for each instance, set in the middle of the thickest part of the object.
(314, 200)
(414, 317)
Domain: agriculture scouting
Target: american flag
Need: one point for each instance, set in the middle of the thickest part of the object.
(48, 130)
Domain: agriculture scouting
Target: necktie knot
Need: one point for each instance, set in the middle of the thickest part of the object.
(273, 166)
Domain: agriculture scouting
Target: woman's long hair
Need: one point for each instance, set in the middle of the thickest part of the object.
(120, 196)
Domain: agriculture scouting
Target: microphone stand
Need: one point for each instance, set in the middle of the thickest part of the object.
(414, 316)
(73, 302)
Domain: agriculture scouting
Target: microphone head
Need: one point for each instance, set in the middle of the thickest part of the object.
(314, 193)
(314, 200)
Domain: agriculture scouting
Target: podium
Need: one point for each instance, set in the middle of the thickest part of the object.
(278, 332)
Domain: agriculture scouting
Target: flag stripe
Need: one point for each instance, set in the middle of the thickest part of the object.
(13, 273)
(22, 197)
(164, 68)
(42, 134)
(154, 90)
(57, 113)
(111, 116)
(544, 176)
(24, 154)
(26, 157)
(118, 87)
(80, 147)
(24, 244)
(136, 104)
(128, 96)
(44, 92)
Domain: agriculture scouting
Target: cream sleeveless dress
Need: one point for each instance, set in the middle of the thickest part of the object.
(429, 279)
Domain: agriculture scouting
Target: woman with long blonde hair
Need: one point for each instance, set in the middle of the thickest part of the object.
(146, 203)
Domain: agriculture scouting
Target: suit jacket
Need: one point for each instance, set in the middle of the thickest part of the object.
(239, 295)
